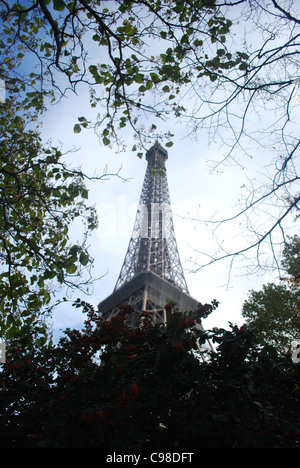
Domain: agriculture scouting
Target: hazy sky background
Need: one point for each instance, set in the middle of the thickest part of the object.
(195, 192)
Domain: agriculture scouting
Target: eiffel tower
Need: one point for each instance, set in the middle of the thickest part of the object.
(151, 274)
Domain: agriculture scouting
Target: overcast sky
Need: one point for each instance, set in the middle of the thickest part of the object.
(195, 192)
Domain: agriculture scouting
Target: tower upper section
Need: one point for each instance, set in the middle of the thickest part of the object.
(153, 246)
(156, 156)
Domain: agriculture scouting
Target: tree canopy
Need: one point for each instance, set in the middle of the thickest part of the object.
(109, 386)
(229, 67)
(274, 310)
(144, 49)
(146, 63)
(39, 199)
(143, 63)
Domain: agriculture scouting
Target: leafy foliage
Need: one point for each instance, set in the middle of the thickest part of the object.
(147, 51)
(112, 386)
(190, 60)
(274, 311)
(40, 198)
(291, 257)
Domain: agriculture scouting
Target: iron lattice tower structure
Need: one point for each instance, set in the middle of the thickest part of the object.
(153, 244)
(152, 272)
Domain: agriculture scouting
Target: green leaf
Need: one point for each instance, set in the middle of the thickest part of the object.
(71, 269)
(84, 258)
(139, 78)
(106, 141)
(77, 128)
(96, 37)
(243, 66)
(155, 78)
(85, 194)
(59, 5)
